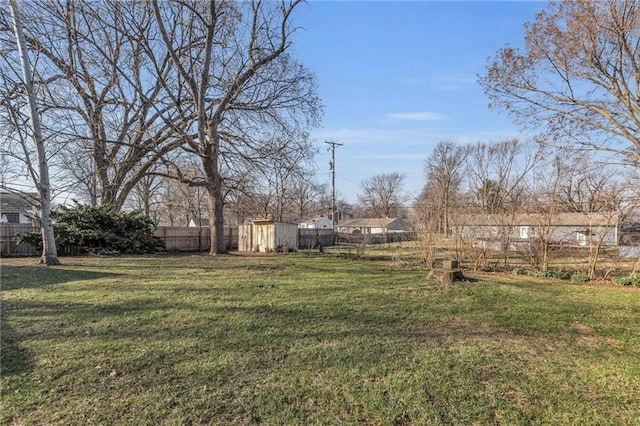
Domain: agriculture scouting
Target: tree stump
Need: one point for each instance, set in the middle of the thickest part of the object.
(448, 274)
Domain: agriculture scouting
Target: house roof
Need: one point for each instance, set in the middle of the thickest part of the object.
(316, 218)
(17, 201)
(372, 222)
(270, 222)
(530, 219)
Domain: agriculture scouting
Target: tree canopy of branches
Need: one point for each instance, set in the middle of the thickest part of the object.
(382, 195)
(123, 85)
(252, 101)
(100, 70)
(444, 169)
(578, 75)
(496, 174)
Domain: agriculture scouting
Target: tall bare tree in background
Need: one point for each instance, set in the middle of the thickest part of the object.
(496, 174)
(444, 169)
(383, 195)
(251, 100)
(39, 173)
(578, 75)
(588, 184)
(305, 194)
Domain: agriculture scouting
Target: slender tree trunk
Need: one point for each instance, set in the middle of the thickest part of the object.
(545, 255)
(49, 251)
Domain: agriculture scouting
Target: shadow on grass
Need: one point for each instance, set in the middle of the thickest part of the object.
(15, 358)
(23, 277)
(244, 318)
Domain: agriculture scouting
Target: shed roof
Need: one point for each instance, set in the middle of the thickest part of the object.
(269, 221)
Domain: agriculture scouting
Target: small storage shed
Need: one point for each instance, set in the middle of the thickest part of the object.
(267, 235)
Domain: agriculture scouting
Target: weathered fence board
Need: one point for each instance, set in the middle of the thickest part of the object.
(8, 244)
(187, 238)
(314, 238)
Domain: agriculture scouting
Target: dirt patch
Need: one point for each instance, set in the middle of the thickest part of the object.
(582, 329)
(515, 399)
(454, 331)
(589, 338)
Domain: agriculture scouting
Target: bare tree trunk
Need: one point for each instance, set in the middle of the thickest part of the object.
(216, 198)
(49, 251)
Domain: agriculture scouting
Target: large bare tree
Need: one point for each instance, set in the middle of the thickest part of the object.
(104, 76)
(250, 98)
(578, 75)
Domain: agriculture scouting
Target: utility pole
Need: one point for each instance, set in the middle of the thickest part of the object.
(332, 166)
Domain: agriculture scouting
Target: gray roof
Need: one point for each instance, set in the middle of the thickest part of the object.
(531, 219)
(17, 201)
(316, 218)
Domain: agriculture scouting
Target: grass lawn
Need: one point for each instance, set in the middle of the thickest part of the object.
(300, 339)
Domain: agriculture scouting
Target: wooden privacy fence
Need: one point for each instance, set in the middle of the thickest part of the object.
(189, 238)
(8, 243)
(314, 238)
(175, 239)
(198, 239)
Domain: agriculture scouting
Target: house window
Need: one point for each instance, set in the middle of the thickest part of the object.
(12, 217)
(583, 237)
(524, 232)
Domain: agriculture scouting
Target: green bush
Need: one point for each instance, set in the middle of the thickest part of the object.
(542, 274)
(100, 230)
(580, 278)
(626, 281)
(552, 274)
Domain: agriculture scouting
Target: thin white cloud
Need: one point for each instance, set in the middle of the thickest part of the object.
(417, 116)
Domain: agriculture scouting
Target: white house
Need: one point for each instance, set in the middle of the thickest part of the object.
(18, 207)
(517, 230)
(386, 225)
(317, 222)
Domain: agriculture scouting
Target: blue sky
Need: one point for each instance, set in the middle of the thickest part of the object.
(398, 77)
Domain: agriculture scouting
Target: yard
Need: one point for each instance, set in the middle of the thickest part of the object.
(310, 339)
